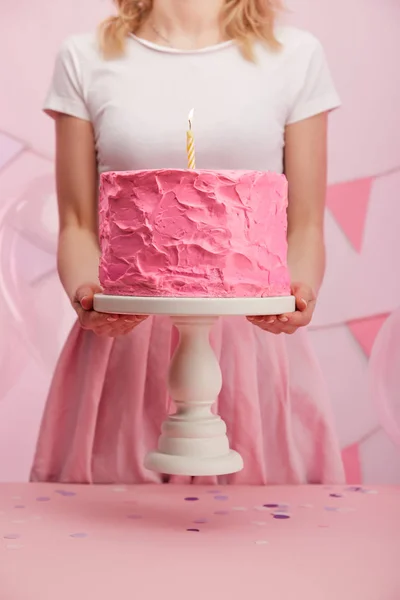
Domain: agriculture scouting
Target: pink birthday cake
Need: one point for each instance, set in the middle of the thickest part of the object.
(193, 233)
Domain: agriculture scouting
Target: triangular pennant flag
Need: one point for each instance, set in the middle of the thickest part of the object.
(348, 202)
(9, 148)
(366, 330)
(352, 464)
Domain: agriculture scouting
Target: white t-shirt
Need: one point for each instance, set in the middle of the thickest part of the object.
(139, 103)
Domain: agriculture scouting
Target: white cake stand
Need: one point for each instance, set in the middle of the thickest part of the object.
(193, 440)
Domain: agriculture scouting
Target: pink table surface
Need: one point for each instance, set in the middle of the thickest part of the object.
(63, 542)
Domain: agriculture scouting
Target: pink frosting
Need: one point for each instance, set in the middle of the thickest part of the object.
(193, 233)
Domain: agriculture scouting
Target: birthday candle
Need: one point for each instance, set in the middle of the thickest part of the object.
(191, 156)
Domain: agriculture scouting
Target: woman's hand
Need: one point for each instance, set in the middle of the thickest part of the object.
(102, 324)
(290, 322)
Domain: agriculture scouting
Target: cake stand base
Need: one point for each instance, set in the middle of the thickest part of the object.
(169, 464)
(193, 440)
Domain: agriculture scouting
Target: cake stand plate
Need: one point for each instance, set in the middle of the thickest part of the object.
(126, 305)
(193, 440)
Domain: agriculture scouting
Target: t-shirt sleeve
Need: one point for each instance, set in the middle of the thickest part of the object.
(66, 93)
(316, 92)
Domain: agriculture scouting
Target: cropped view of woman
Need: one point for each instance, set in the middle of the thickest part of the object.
(119, 98)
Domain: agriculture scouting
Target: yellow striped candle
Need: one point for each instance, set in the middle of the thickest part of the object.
(191, 155)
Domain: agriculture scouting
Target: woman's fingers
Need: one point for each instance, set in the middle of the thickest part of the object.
(296, 319)
(108, 324)
(272, 325)
(85, 294)
(290, 322)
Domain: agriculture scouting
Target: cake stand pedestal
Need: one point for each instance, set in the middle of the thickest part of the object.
(193, 441)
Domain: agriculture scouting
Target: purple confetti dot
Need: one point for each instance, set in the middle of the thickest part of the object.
(221, 512)
(192, 529)
(280, 516)
(65, 493)
(354, 488)
(336, 495)
(221, 497)
(191, 499)
(12, 536)
(271, 505)
(134, 517)
(331, 508)
(78, 535)
(200, 521)
(43, 499)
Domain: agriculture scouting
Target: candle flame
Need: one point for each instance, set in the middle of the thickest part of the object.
(190, 118)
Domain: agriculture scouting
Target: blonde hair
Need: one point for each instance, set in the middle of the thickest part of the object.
(245, 21)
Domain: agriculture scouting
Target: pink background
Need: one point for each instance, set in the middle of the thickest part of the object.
(356, 330)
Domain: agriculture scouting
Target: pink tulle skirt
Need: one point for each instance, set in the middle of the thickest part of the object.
(108, 400)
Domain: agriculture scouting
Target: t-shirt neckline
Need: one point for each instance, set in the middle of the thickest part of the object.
(168, 50)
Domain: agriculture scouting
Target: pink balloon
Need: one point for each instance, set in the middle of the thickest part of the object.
(11, 363)
(32, 298)
(384, 375)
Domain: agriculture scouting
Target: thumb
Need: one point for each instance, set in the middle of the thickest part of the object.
(84, 295)
(303, 294)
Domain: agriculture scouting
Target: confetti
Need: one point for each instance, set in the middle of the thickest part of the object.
(78, 535)
(261, 542)
(42, 499)
(271, 505)
(192, 529)
(191, 499)
(279, 515)
(336, 495)
(331, 508)
(221, 497)
(11, 536)
(221, 512)
(200, 521)
(65, 493)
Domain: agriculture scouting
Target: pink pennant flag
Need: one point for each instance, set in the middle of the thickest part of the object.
(348, 202)
(352, 464)
(366, 330)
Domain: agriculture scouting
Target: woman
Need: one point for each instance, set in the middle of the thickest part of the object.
(262, 95)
